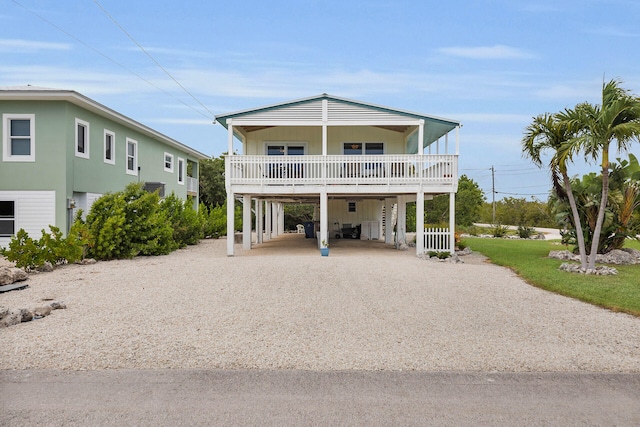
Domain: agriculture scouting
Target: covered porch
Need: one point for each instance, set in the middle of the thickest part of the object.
(385, 221)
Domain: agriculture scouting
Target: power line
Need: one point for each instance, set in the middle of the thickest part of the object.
(113, 61)
(152, 58)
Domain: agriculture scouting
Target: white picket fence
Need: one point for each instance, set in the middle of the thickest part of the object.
(437, 239)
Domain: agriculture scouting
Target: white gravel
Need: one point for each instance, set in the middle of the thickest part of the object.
(293, 309)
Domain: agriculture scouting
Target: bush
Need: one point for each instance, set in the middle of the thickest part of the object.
(24, 251)
(439, 254)
(525, 232)
(186, 223)
(52, 247)
(129, 223)
(498, 230)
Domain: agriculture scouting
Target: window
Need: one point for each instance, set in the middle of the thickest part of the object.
(18, 138)
(82, 139)
(357, 148)
(109, 147)
(132, 157)
(181, 170)
(7, 218)
(168, 162)
(352, 206)
(286, 169)
(283, 148)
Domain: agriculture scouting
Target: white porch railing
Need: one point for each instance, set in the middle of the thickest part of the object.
(346, 170)
(192, 185)
(437, 239)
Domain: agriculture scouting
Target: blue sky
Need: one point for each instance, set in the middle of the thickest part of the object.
(492, 65)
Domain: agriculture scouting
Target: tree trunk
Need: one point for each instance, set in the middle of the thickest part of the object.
(603, 205)
(576, 220)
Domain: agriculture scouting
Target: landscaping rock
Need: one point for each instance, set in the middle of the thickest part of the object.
(43, 311)
(9, 275)
(564, 255)
(58, 305)
(600, 270)
(26, 315)
(10, 317)
(618, 257)
(46, 267)
(87, 261)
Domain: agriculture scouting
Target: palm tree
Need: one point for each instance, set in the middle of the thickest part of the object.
(548, 132)
(596, 127)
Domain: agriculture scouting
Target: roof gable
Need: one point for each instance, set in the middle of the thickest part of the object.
(339, 111)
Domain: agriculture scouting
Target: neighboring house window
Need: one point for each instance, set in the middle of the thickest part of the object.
(132, 157)
(109, 147)
(82, 139)
(18, 138)
(7, 218)
(181, 170)
(168, 162)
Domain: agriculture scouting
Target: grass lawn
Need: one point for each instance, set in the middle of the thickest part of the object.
(528, 258)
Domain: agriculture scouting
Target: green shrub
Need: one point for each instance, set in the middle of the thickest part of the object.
(129, 223)
(499, 230)
(186, 223)
(525, 232)
(439, 254)
(24, 251)
(52, 247)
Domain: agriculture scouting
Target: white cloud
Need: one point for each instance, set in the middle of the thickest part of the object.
(486, 52)
(21, 46)
(614, 32)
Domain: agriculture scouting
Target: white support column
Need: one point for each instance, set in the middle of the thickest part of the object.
(230, 223)
(388, 221)
(452, 221)
(230, 137)
(421, 138)
(267, 221)
(324, 218)
(258, 209)
(401, 222)
(274, 219)
(325, 118)
(419, 223)
(280, 218)
(246, 222)
(457, 139)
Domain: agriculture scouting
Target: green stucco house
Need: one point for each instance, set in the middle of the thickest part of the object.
(62, 150)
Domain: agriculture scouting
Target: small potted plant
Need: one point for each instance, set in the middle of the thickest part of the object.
(324, 249)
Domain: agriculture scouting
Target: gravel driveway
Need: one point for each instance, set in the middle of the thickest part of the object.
(291, 309)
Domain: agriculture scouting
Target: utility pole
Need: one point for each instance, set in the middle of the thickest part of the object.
(493, 193)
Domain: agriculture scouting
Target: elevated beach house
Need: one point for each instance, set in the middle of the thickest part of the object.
(358, 163)
(62, 150)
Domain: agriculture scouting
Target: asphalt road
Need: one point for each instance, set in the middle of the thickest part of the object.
(220, 397)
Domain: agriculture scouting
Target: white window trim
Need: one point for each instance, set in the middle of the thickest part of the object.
(84, 155)
(181, 173)
(164, 162)
(285, 144)
(111, 161)
(133, 172)
(6, 138)
(364, 145)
